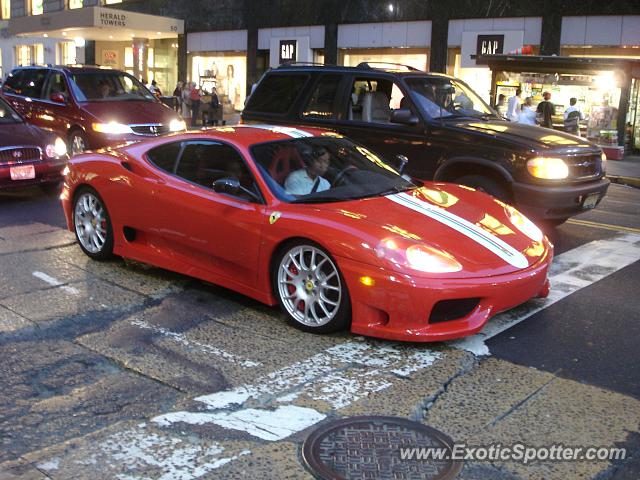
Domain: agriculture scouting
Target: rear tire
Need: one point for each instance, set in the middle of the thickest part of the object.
(310, 288)
(92, 224)
(486, 184)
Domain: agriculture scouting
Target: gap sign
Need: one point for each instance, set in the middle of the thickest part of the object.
(288, 51)
(489, 45)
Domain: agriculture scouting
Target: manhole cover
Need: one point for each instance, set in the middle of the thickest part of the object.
(377, 448)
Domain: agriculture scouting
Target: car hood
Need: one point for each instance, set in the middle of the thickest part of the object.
(14, 134)
(130, 112)
(471, 226)
(529, 136)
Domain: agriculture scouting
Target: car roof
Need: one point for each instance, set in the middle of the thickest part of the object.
(68, 68)
(364, 67)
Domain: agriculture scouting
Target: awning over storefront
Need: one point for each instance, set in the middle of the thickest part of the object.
(97, 23)
(553, 64)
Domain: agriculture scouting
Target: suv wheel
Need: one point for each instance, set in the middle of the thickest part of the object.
(486, 184)
(78, 142)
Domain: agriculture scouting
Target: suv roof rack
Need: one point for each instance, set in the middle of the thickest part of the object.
(368, 65)
(300, 64)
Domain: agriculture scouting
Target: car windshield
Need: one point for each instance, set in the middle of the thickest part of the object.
(8, 114)
(325, 169)
(105, 86)
(444, 97)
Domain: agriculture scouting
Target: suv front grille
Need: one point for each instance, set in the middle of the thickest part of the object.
(583, 166)
(13, 155)
(150, 130)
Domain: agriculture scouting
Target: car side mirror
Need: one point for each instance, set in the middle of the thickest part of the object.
(400, 163)
(227, 185)
(58, 97)
(404, 116)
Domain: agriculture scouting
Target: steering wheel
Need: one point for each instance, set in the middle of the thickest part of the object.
(340, 176)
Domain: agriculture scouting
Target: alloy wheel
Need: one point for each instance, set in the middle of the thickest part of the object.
(90, 222)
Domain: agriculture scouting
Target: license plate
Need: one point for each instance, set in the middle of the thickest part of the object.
(590, 200)
(23, 172)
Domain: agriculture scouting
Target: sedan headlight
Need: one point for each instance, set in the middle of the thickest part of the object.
(177, 125)
(113, 128)
(548, 168)
(417, 257)
(57, 149)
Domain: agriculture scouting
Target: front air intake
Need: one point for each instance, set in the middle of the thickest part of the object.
(447, 310)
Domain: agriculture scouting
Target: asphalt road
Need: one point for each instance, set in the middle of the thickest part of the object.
(121, 370)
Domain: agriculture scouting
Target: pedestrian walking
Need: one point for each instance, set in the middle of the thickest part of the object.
(527, 115)
(194, 96)
(545, 111)
(572, 117)
(501, 106)
(186, 101)
(513, 107)
(177, 97)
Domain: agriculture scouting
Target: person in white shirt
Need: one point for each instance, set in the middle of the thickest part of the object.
(309, 179)
(572, 117)
(527, 114)
(513, 107)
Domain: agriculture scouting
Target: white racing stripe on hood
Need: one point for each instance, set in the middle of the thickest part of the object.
(468, 229)
(292, 132)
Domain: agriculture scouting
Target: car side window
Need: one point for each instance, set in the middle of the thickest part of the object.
(276, 93)
(32, 82)
(13, 83)
(165, 156)
(373, 99)
(204, 162)
(56, 84)
(322, 100)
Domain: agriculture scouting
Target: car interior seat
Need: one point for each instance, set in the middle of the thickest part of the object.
(375, 107)
(284, 161)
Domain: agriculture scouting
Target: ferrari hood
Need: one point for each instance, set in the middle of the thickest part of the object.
(130, 112)
(485, 236)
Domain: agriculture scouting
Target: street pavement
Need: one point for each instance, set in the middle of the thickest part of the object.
(121, 370)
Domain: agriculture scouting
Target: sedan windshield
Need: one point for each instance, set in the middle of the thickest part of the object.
(443, 97)
(108, 85)
(325, 169)
(8, 114)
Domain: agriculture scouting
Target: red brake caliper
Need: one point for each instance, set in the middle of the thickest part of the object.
(291, 289)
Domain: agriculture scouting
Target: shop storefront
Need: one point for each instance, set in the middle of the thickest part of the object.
(294, 44)
(606, 90)
(472, 37)
(219, 60)
(143, 45)
(403, 43)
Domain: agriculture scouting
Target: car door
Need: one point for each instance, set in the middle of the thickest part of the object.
(28, 93)
(217, 232)
(13, 91)
(365, 116)
(54, 115)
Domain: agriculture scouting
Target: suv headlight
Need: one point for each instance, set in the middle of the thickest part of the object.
(57, 149)
(113, 128)
(548, 168)
(177, 125)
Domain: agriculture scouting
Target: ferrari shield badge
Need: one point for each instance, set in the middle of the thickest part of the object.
(273, 218)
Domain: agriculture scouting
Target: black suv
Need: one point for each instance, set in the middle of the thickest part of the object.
(444, 129)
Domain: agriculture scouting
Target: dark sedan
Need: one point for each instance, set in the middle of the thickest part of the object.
(28, 154)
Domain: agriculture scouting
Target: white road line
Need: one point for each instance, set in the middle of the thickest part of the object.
(338, 376)
(570, 272)
(193, 344)
(56, 283)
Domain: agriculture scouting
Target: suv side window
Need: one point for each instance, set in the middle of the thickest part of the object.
(322, 101)
(203, 162)
(56, 84)
(276, 93)
(32, 82)
(373, 99)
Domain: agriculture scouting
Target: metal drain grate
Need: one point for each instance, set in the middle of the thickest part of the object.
(370, 448)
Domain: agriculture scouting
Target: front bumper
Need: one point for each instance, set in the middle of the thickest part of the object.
(399, 307)
(556, 202)
(47, 171)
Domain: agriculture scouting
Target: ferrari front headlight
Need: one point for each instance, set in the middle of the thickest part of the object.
(177, 125)
(431, 260)
(548, 168)
(112, 128)
(525, 225)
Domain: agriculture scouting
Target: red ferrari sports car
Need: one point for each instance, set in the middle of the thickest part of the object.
(314, 222)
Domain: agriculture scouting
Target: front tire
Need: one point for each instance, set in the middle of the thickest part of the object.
(78, 142)
(310, 288)
(92, 224)
(487, 185)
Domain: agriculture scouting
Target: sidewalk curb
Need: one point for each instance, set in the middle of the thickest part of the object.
(628, 181)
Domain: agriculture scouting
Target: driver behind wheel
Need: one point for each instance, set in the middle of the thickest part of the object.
(309, 179)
